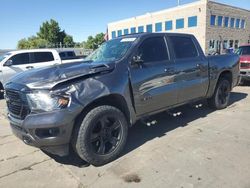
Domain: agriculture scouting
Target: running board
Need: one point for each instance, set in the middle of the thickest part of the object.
(174, 114)
(148, 122)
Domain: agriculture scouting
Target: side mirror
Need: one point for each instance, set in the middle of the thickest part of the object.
(8, 63)
(137, 60)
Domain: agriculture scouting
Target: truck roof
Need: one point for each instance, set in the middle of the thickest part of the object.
(137, 35)
(32, 50)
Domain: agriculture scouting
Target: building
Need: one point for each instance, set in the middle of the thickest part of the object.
(216, 26)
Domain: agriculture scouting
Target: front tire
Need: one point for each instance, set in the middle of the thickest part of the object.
(102, 135)
(221, 96)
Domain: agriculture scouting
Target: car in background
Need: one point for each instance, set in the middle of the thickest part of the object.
(244, 53)
(66, 55)
(18, 61)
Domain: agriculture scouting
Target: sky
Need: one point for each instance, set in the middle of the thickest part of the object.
(79, 18)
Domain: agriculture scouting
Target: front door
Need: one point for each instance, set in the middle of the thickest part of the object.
(19, 64)
(153, 80)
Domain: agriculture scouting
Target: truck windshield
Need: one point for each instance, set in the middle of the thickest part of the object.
(2, 57)
(243, 50)
(112, 50)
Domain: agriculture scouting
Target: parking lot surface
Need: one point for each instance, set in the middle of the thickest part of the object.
(201, 148)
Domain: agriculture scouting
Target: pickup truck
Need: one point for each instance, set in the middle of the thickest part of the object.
(244, 53)
(87, 107)
(15, 62)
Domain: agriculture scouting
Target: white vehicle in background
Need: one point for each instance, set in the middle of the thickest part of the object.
(18, 61)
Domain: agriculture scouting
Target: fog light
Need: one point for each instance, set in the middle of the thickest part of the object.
(47, 133)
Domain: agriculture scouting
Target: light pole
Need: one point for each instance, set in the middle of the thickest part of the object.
(178, 2)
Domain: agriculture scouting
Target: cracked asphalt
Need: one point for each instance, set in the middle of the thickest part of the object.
(201, 148)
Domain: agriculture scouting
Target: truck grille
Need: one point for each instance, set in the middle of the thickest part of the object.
(245, 65)
(17, 104)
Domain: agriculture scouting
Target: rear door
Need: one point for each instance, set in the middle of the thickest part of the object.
(41, 59)
(153, 81)
(19, 64)
(191, 68)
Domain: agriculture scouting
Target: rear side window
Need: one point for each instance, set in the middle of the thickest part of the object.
(62, 54)
(20, 59)
(153, 49)
(71, 54)
(40, 57)
(183, 47)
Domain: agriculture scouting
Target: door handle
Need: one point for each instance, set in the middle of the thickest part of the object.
(29, 67)
(169, 70)
(201, 67)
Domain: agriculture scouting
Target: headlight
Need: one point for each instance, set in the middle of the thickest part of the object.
(43, 101)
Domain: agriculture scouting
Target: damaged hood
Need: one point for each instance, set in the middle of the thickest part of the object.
(48, 77)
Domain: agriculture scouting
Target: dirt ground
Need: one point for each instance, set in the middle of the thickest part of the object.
(201, 148)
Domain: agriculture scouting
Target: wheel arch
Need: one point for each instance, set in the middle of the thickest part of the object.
(226, 74)
(115, 100)
(214, 82)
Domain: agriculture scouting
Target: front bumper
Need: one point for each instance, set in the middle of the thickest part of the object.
(50, 131)
(245, 74)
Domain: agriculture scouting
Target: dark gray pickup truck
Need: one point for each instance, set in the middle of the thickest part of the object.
(90, 105)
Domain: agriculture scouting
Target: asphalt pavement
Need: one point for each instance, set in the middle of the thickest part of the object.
(201, 148)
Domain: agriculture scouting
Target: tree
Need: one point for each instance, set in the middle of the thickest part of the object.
(95, 42)
(23, 44)
(49, 35)
(51, 32)
(68, 41)
(32, 42)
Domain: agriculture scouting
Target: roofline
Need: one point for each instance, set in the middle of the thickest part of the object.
(231, 6)
(197, 2)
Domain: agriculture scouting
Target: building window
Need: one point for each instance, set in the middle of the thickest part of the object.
(236, 44)
(211, 44)
(158, 27)
(125, 31)
(220, 20)
(242, 26)
(119, 33)
(168, 25)
(212, 20)
(232, 22)
(150, 28)
(140, 29)
(180, 23)
(133, 30)
(192, 21)
(225, 44)
(237, 25)
(226, 21)
(231, 43)
(113, 34)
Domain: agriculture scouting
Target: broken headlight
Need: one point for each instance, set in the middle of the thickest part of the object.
(45, 101)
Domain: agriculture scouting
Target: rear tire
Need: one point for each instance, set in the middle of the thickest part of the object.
(1, 93)
(221, 96)
(102, 135)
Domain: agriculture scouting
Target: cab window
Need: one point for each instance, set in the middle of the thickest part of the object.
(183, 47)
(153, 50)
(40, 57)
(20, 59)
